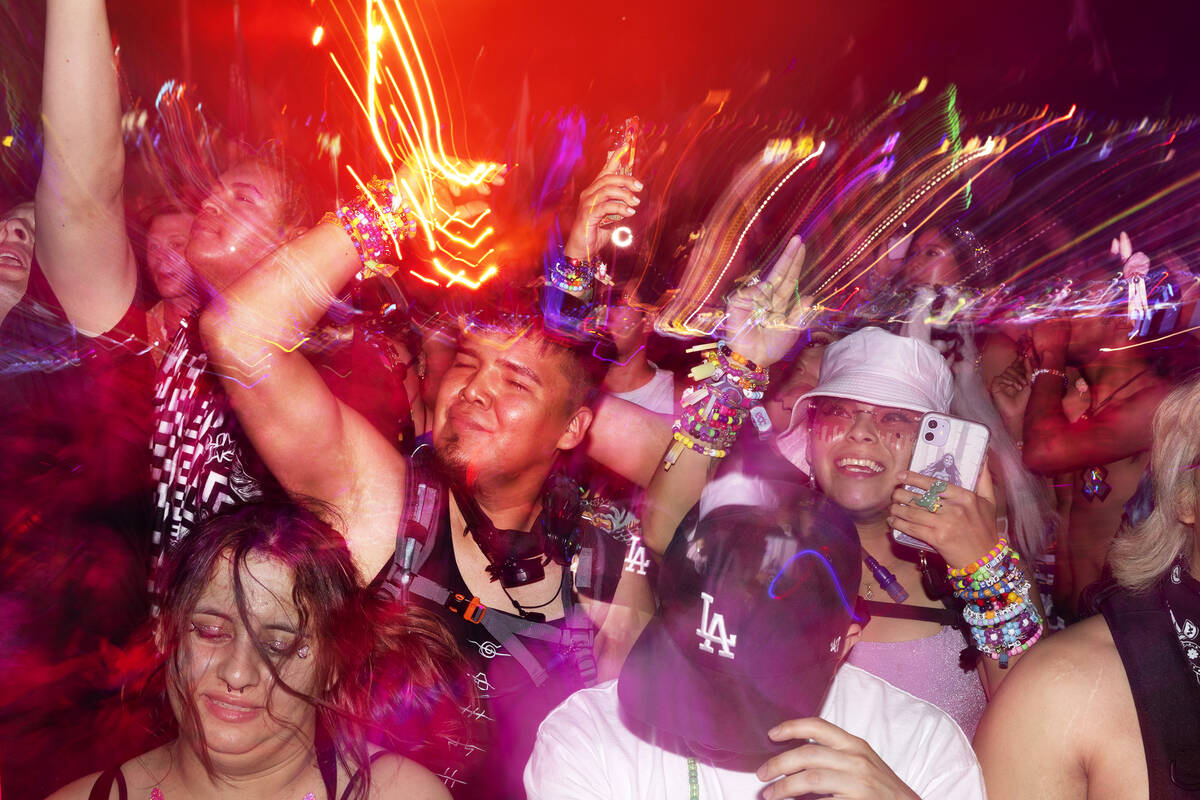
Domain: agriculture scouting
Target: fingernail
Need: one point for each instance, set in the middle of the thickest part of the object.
(637, 200)
(638, 185)
(630, 210)
(774, 732)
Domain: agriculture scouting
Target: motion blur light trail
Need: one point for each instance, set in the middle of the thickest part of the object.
(410, 132)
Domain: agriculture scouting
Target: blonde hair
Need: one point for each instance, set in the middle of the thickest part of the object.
(1144, 553)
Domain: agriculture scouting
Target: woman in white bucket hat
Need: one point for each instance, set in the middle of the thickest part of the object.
(853, 434)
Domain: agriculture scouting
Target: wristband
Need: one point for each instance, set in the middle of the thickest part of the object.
(1048, 371)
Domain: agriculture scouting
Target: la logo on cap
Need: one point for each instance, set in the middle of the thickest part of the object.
(712, 631)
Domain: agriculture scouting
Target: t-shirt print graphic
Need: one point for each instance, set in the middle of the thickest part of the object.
(197, 463)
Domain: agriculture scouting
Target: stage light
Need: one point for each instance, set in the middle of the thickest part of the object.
(318, 34)
(622, 236)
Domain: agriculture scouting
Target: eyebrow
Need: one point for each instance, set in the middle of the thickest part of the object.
(273, 626)
(520, 369)
(212, 612)
(249, 186)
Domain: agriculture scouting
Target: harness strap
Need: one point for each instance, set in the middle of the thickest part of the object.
(420, 526)
(102, 788)
(1164, 692)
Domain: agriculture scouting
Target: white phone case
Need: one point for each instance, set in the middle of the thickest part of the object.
(949, 448)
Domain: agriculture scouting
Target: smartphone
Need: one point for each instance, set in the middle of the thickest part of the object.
(621, 156)
(949, 448)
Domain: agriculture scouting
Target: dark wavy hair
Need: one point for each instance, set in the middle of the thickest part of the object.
(375, 661)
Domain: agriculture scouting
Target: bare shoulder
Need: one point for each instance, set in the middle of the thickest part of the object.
(1064, 723)
(394, 776)
(1076, 672)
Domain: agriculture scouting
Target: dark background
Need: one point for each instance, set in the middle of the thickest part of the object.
(254, 67)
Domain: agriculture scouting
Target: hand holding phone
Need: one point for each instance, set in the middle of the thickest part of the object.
(620, 158)
(612, 197)
(952, 450)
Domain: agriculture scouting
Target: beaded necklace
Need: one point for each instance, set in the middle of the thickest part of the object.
(693, 780)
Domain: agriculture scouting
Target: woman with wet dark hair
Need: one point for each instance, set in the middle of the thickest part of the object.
(267, 650)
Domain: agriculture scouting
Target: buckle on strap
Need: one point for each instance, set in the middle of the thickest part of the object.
(470, 609)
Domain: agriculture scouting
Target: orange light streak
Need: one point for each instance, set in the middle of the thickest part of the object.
(402, 94)
(460, 276)
(419, 276)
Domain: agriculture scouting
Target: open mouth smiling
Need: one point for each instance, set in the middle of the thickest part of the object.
(859, 466)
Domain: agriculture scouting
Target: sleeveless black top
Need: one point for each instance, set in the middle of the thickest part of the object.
(326, 762)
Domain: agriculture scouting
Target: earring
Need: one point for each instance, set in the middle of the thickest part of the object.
(303, 652)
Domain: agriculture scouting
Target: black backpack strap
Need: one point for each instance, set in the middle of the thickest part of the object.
(579, 639)
(942, 616)
(102, 788)
(505, 628)
(1164, 692)
(424, 502)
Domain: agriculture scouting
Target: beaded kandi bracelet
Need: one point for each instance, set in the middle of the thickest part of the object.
(726, 391)
(576, 276)
(980, 563)
(1004, 622)
(376, 221)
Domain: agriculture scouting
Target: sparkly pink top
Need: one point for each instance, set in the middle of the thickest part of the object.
(928, 668)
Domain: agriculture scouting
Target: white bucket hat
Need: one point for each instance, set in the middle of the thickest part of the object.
(876, 367)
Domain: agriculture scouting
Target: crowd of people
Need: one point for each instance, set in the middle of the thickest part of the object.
(870, 473)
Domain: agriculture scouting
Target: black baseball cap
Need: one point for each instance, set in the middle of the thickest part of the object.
(754, 605)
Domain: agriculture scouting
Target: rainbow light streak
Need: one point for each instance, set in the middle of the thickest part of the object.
(988, 148)
(1174, 187)
(686, 326)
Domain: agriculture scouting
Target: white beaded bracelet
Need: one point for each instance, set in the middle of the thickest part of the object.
(1048, 371)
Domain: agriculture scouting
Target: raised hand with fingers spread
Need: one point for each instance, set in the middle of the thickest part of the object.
(764, 316)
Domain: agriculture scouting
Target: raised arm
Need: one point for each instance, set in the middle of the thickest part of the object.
(628, 439)
(1054, 444)
(315, 445)
(762, 325)
(82, 245)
